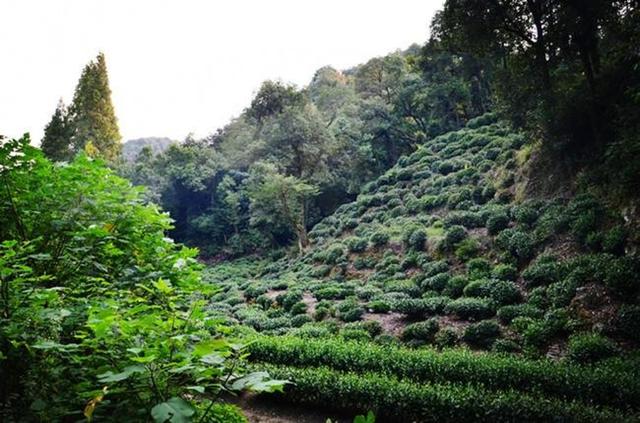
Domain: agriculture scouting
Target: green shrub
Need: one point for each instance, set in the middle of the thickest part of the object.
(497, 223)
(471, 308)
(545, 270)
(505, 272)
(621, 276)
(311, 331)
(627, 321)
(482, 334)
(298, 308)
(288, 299)
(371, 326)
(455, 286)
(478, 268)
(505, 346)
(395, 400)
(367, 292)
(379, 238)
(526, 214)
(379, 306)
(614, 240)
(501, 292)
(351, 334)
(421, 332)
(406, 286)
(300, 319)
(446, 338)
(411, 307)
(467, 249)
(430, 202)
(255, 290)
(436, 282)
(227, 413)
(361, 263)
(467, 219)
(334, 254)
(509, 312)
(604, 386)
(356, 244)
(435, 305)
(414, 237)
(590, 347)
(332, 293)
(517, 243)
(453, 236)
(561, 293)
(349, 311)
(417, 240)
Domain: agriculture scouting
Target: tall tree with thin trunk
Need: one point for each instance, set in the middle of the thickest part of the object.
(56, 143)
(92, 114)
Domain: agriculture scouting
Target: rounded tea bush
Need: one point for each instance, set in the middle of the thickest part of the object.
(507, 313)
(453, 236)
(446, 338)
(379, 306)
(482, 334)
(349, 311)
(505, 272)
(411, 307)
(590, 347)
(417, 240)
(356, 244)
(455, 286)
(379, 238)
(471, 308)
(627, 322)
(502, 292)
(497, 223)
(422, 332)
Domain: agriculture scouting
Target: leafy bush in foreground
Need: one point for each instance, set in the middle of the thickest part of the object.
(96, 302)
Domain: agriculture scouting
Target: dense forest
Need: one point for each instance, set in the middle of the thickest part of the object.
(445, 233)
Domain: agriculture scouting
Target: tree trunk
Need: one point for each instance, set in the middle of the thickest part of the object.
(539, 46)
(303, 239)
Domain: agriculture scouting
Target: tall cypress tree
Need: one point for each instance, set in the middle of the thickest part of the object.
(56, 143)
(92, 114)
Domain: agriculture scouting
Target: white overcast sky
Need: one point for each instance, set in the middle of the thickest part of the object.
(184, 66)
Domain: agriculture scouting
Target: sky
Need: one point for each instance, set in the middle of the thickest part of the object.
(185, 66)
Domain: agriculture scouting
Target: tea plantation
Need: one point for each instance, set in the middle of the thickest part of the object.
(448, 291)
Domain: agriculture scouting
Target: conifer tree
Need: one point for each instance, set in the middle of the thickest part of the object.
(56, 143)
(92, 114)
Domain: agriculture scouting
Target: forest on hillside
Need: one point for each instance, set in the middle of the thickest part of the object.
(446, 233)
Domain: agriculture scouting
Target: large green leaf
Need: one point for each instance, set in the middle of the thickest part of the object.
(174, 410)
(258, 382)
(117, 377)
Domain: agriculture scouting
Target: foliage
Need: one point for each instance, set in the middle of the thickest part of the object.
(590, 347)
(98, 306)
(90, 123)
(471, 308)
(421, 331)
(601, 384)
(482, 334)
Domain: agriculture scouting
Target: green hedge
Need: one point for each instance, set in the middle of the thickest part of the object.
(393, 400)
(599, 384)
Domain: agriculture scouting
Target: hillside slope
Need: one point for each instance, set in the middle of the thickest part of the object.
(438, 244)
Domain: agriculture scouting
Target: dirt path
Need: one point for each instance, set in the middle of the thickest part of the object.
(392, 323)
(262, 410)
